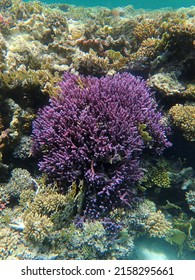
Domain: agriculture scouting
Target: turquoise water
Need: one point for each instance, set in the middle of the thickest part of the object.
(152, 4)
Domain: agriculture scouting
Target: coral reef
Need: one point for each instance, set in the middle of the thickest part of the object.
(94, 242)
(40, 219)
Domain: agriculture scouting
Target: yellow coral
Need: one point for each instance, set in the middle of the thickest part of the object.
(183, 116)
(157, 175)
(60, 208)
(185, 27)
(145, 29)
(37, 227)
(190, 91)
(148, 49)
(161, 179)
(30, 78)
(157, 225)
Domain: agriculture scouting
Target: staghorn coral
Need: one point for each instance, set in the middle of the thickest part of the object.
(183, 28)
(157, 225)
(26, 198)
(59, 39)
(49, 203)
(149, 49)
(87, 134)
(5, 4)
(56, 38)
(10, 243)
(58, 207)
(183, 117)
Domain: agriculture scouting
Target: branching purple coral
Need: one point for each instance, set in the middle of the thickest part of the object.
(91, 131)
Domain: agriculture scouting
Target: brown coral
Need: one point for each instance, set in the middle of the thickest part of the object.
(148, 49)
(183, 117)
(189, 92)
(30, 78)
(91, 63)
(145, 29)
(157, 225)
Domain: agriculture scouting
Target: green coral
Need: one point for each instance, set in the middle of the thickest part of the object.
(20, 180)
(144, 133)
(54, 205)
(93, 241)
(30, 78)
(37, 227)
(157, 175)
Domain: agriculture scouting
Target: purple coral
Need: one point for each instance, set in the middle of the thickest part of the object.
(91, 131)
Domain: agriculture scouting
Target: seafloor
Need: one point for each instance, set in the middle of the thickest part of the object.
(38, 43)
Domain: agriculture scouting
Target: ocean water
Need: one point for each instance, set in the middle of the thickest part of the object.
(137, 4)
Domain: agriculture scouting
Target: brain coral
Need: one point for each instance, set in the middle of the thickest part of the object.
(91, 131)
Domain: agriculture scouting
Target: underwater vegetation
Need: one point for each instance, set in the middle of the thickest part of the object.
(90, 99)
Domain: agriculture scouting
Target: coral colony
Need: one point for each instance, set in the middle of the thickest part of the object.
(96, 130)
